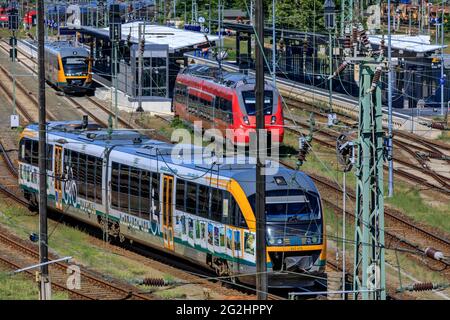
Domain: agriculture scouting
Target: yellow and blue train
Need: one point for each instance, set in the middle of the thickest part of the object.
(146, 191)
(67, 67)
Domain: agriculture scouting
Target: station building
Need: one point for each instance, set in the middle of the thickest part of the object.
(162, 59)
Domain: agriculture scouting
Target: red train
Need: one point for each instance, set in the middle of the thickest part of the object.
(30, 18)
(225, 100)
(3, 17)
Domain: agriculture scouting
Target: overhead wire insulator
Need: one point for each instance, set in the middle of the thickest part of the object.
(376, 78)
(424, 286)
(355, 34)
(339, 69)
(382, 46)
(364, 38)
(155, 282)
(434, 253)
(347, 41)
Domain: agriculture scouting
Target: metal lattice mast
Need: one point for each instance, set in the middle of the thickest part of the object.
(369, 267)
(346, 15)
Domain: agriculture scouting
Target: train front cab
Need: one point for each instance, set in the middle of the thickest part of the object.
(244, 115)
(75, 75)
(296, 241)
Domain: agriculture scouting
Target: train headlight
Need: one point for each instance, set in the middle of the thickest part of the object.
(246, 120)
(273, 120)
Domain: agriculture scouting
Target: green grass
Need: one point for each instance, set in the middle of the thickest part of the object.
(175, 293)
(444, 136)
(69, 241)
(19, 287)
(408, 199)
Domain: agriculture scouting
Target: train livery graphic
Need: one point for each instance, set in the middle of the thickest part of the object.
(225, 100)
(68, 68)
(129, 186)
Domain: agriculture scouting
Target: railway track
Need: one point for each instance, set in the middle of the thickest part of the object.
(328, 137)
(92, 287)
(15, 254)
(405, 230)
(8, 178)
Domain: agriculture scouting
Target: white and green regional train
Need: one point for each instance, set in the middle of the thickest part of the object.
(203, 213)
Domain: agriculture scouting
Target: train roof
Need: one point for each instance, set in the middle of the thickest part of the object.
(134, 143)
(226, 78)
(64, 48)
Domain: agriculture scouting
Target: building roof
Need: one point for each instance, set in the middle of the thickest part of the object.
(155, 34)
(416, 44)
(234, 13)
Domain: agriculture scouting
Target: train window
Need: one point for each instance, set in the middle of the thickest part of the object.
(98, 179)
(34, 153)
(145, 193)
(115, 186)
(250, 102)
(73, 162)
(191, 197)
(155, 192)
(236, 217)
(180, 196)
(216, 204)
(82, 163)
(134, 191)
(25, 150)
(124, 182)
(49, 156)
(203, 201)
(90, 178)
(75, 66)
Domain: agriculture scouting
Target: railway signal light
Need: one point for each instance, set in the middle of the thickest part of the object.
(13, 19)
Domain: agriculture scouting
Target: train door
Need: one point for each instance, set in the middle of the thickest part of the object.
(58, 176)
(167, 210)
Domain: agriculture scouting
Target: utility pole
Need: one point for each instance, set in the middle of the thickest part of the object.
(115, 32)
(274, 47)
(390, 144)
(369, 263)
(219, 25)
(442, 80)
(261, 265)
(13, 25)
(174, 9)
(209, 17)
(141, 56)
(45, 287)
(330, 18)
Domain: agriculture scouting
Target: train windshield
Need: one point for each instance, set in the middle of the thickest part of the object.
(250, 102)
(75, 66)
(293, 217)
(291, 206)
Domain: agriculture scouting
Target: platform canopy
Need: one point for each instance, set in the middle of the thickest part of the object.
(155, 34)
(415, 44)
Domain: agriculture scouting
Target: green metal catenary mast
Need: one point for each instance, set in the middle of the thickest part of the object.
(369, 267)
